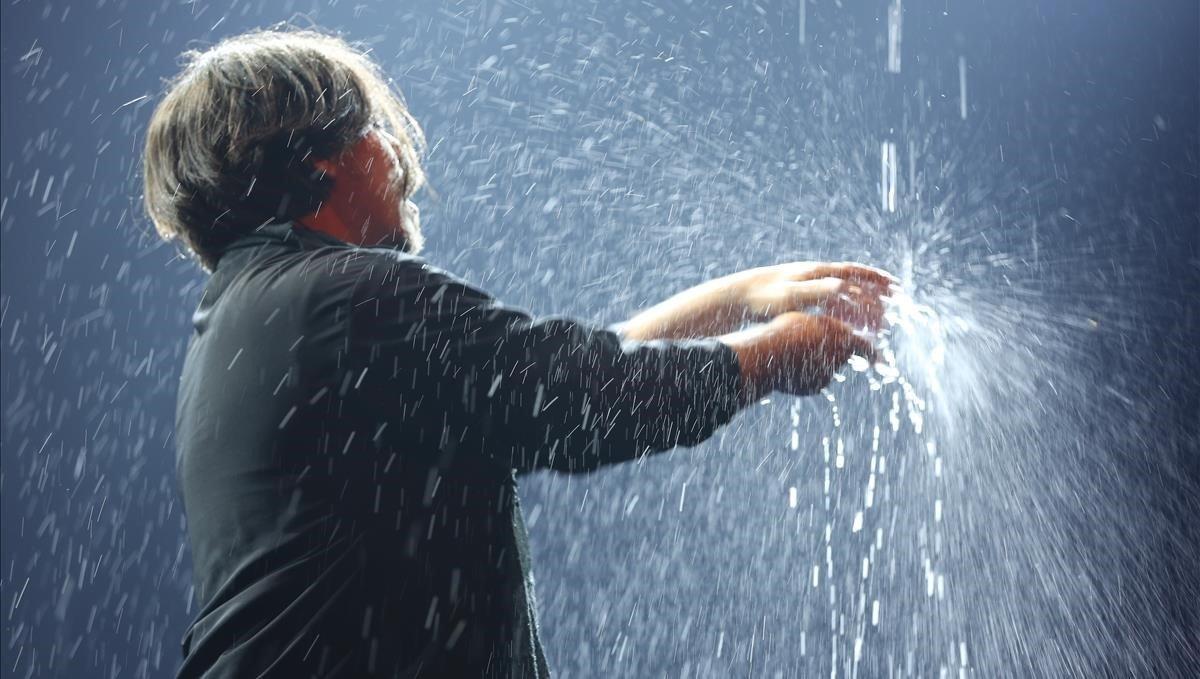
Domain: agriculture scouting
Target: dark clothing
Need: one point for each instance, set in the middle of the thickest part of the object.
(350, 422)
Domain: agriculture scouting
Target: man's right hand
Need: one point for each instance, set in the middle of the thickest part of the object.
(795, 353)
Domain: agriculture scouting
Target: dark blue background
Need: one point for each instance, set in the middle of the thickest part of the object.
(589, 159)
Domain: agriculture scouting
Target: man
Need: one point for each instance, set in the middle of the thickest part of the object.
(351, 418)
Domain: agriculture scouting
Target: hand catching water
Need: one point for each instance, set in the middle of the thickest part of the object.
(795, 353)
(851, 293)
(808, 319)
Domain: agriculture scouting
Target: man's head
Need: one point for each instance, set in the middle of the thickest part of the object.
(281, 125)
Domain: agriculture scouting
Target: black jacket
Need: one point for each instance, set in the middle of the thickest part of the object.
(349, 424)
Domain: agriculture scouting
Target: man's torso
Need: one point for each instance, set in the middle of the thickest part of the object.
(336, 530)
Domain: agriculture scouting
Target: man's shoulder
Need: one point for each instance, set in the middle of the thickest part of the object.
(381, 287)
(355, 272)
(316, 280)
(381, 273)
(373, 267)
(394, 295)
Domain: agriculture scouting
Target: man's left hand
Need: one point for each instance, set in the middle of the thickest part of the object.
(852, 293)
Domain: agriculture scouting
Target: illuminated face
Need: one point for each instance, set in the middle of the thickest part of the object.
(398, 195)
(370, 195)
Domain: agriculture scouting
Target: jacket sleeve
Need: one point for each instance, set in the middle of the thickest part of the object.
(548, 393)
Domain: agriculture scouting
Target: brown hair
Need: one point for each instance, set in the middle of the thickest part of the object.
(230, 146)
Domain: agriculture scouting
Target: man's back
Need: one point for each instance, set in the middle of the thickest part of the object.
(330, 538)
(349, 422)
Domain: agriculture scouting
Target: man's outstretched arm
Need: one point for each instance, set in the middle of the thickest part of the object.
(788, 351)
(561, 394)
(847, 291)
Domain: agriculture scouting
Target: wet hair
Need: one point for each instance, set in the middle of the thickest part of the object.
(231, 145)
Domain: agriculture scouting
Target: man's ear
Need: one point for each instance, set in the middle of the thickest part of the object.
(325, 166)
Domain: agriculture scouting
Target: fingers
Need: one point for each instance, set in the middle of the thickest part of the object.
(845, 301)
(863, 275)
(850, 271)
(840, 342)
(814, 349)
(859, 307)
(812, 292)
(860, 346)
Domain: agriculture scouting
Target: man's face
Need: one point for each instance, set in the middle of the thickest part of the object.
(369, 193)
(408, 215)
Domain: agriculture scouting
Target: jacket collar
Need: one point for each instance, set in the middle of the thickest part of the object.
(286, 233)
(293, 236)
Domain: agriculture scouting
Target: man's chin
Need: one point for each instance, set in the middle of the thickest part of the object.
(414, 240)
